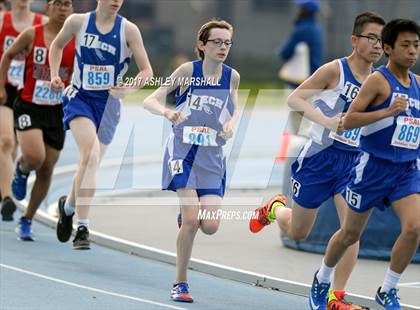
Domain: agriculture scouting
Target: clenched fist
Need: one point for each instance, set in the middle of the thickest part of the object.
(57, 84)
(397, 106)
(175, 117)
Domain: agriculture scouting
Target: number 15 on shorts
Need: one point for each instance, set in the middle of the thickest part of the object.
(353, 199)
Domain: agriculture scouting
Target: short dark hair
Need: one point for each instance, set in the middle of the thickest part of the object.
(366, 18)
(204, 32)
(395, 27)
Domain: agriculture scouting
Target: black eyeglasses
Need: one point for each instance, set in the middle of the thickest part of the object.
(371, 39)
(219, 42)
(59, 4)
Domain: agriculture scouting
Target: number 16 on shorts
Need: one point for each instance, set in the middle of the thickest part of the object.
(295, 187)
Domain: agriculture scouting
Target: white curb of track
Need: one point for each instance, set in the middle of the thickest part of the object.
(217, 270)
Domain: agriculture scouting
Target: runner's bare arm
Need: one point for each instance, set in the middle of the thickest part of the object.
(326, 77)
(70, 28)
(235, 81)
(228, 127)
(135, 44)
(23, 43)
(155, 103)
(374, 86)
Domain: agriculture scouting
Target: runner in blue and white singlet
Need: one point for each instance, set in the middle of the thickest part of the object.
(194, 155)
(105, 42)
(322, 169)
(194, 165)
(323, 166)
(387, 171)
(101, 60)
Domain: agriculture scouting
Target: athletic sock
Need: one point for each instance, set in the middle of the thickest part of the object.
(83, 222)
(68, 208)
(390, 281)
(325, 273)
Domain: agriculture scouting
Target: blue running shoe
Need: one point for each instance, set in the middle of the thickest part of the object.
(19, 183)
(24, 230)
(180, 293)
(388, 300)
(319, 294)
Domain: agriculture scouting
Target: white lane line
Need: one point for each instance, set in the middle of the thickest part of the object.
(410, 284)
(89, 288)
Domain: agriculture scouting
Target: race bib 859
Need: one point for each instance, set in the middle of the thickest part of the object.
(98, 77)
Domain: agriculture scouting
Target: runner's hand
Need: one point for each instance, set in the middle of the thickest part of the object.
(340, 127)
(335, 123)
(57, 84)
(227, 131)
(121, 91)
(397, 106)
(175, 117)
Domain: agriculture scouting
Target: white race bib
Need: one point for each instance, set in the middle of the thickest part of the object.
(44, 95)
(98, 77)
(203, 136)
(350, 137)
(407, 133)
(15, 73)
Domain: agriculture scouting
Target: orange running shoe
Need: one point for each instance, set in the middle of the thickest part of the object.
(336, 301)
(266, 213)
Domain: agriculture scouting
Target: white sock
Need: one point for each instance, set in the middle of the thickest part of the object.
(83, 222)
(390, 281)
(68, 207)
(325, 273)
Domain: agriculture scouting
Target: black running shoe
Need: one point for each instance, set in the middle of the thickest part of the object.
(8, 207)
(81, 241)
(65, 222)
